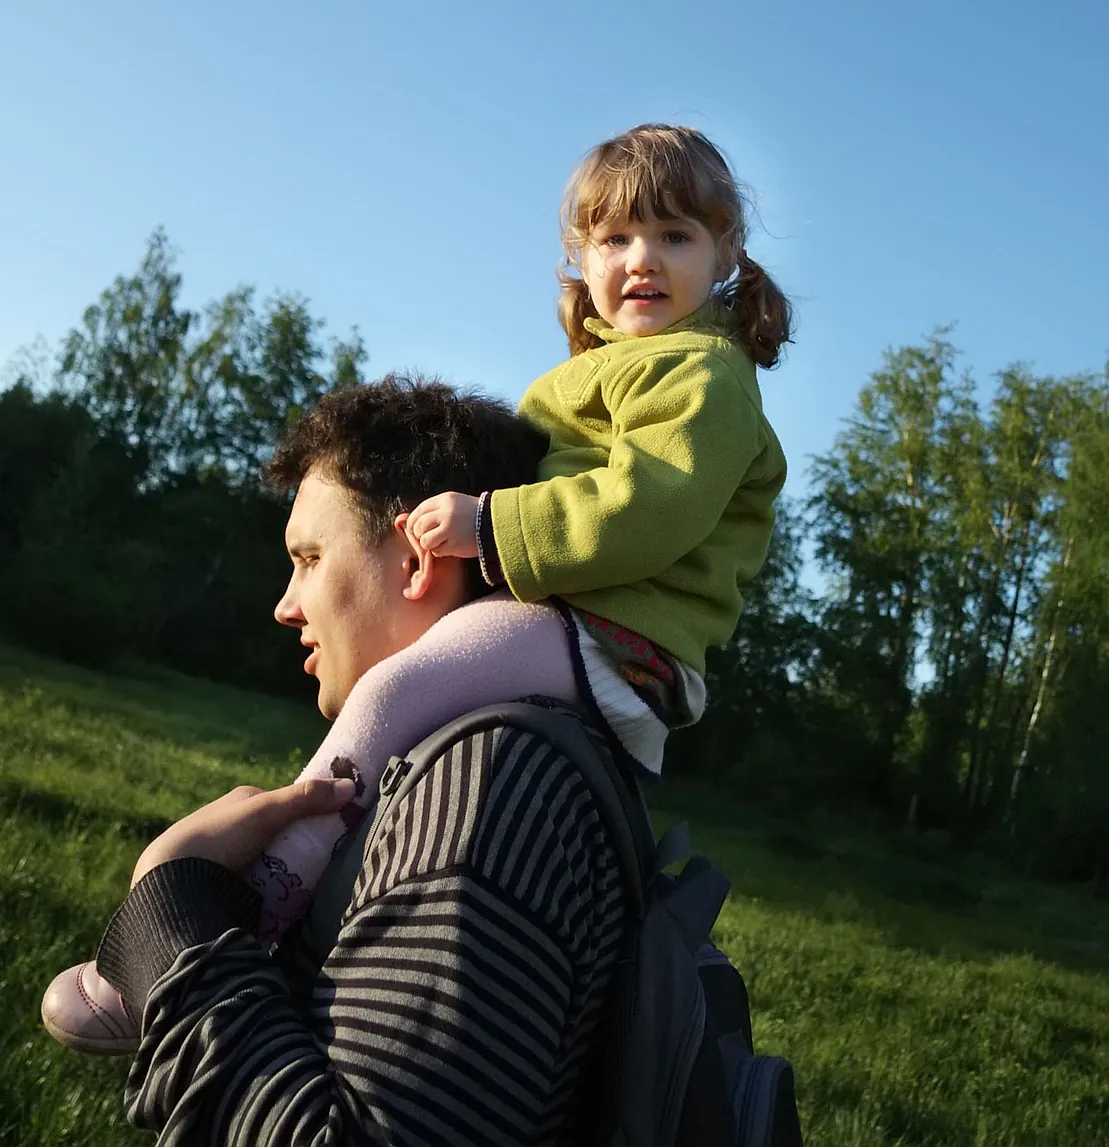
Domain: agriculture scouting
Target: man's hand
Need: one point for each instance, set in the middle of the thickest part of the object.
(445, 526)
(237, 827)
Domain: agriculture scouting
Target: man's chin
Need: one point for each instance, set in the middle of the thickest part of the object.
(325, 702)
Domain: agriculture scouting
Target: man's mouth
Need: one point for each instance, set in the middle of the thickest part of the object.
(311, 659)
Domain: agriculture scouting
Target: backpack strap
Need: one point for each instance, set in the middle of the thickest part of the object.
(617, 794)
(618, 799)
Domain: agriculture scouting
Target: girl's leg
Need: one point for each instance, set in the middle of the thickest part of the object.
(639, 694)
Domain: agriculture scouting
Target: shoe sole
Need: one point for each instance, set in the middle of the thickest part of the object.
(120, 1045)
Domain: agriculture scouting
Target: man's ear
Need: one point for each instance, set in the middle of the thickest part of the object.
(419, 563)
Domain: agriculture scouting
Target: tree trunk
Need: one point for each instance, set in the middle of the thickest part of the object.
(989, 753)
(1041, 690)
(979, 645)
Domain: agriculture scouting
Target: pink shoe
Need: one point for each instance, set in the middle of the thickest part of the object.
(83, 1011)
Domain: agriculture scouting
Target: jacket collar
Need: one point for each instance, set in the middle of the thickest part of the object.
(711, 318)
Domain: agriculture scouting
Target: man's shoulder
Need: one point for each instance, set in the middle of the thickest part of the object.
(506, 803)
(532, 772)
(500, 812)
(494, 777)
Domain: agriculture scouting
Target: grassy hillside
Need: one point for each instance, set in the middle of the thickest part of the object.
(922, 1002)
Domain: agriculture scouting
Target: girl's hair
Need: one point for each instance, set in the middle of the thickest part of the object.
(670, 172)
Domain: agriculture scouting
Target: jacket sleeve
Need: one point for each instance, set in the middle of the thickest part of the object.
(684, 435)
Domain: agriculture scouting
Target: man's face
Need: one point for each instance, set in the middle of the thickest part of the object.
(346, 595)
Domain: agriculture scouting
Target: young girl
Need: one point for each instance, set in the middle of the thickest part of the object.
(653, 508)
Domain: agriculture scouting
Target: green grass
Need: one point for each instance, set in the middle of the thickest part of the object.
(923, 1001)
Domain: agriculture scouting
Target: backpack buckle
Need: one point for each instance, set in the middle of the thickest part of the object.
(394, 773)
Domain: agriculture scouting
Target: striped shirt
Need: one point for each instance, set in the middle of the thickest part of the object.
(459, 1004)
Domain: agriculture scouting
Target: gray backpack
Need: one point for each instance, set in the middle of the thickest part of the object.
(676, 1064)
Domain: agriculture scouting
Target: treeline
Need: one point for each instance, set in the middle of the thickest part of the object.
(952, 676)
(954, 672)
(132, 520)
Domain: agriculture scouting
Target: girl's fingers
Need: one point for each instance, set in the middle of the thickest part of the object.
(422, 508)
(433, 539)
(438, 526)
(425, 522)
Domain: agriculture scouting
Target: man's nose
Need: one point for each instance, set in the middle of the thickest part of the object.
(288, 611)
(643, 256)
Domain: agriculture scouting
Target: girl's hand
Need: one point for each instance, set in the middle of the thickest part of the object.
(445, 525)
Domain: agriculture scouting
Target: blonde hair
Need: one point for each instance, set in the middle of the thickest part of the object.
(665, 172)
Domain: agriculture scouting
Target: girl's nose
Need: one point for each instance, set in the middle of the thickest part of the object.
(642, 256)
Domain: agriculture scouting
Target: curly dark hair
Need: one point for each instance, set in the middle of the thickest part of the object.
(394, 442)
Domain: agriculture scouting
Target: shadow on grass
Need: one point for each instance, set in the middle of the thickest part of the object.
(153, 701)
(48, 925)
(64, 814)
(941, 904)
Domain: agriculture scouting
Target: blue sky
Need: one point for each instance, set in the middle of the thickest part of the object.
(401, 165)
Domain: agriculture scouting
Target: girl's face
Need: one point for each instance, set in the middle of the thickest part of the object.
(645, 276)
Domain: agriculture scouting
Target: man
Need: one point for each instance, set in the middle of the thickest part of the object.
(461, 1000)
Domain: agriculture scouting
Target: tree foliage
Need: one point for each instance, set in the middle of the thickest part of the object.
(132, 517)
(966, 553)
(950, 674)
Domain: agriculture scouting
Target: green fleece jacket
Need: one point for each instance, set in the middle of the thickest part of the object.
(655, 500)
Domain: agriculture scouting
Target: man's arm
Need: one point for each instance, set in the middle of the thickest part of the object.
(456, 1007)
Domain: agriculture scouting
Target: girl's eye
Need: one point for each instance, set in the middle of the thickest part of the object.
(676, 237)
(614, 240)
